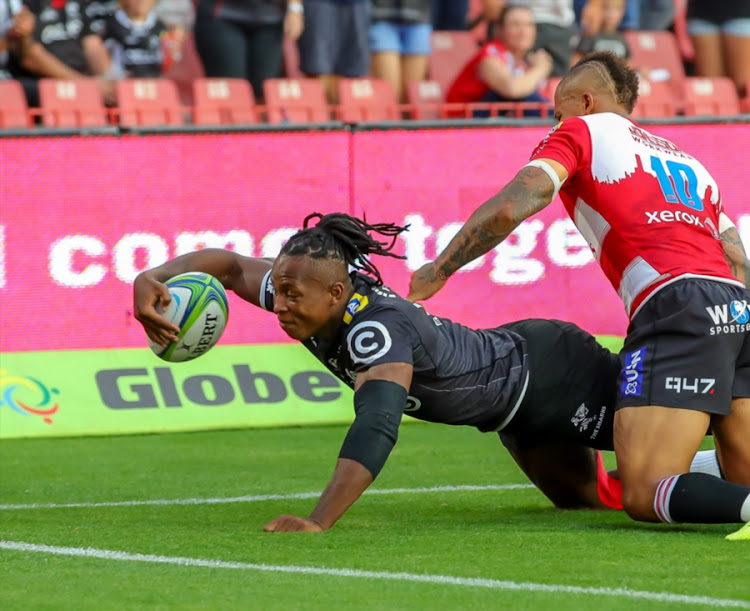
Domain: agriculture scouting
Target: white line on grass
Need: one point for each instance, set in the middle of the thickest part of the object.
(476, 582)
(262, 497)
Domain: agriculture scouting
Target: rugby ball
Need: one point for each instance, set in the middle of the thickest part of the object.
(200, 309)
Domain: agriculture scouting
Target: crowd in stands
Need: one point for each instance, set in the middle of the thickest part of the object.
(450, 58)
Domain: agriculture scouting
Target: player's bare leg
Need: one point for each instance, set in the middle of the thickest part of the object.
(566, 473)
(731, 436)
(655, 446)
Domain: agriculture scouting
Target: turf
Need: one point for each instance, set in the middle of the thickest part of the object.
(514, 536)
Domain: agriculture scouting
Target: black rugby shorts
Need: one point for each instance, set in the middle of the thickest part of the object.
(688, 347)
(572, 388)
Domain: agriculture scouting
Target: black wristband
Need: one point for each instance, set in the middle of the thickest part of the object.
(379, 405)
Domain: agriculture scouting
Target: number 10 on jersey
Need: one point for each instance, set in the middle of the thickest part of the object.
(678, 183)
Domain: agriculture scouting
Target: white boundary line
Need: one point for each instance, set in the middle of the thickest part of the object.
(260, 498)
(475, 582)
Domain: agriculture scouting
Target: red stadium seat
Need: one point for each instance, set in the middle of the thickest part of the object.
(451, 51)
(711, 96)
(295, 100)
(425, 98)
(14, 111)
(148, 102)
(366, 99)
(221, 101)
(657, 57)
(654, 100)
(71, 103)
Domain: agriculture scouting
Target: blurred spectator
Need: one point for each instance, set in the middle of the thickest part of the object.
(557, 31)
(656, 14)
(505, 70)
(400, 42)
(720, 32)
(98, 10)
(62, 46)
(243, 38)
(16, 27)
(133, 36)
(609, 38)
(334, 43)
(450, 14)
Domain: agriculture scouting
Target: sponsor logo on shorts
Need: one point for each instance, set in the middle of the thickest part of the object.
(368, 341)
(697, 386)
(733, 317)
(632, 374)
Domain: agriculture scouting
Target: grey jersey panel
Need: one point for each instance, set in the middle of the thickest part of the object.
(461, 376)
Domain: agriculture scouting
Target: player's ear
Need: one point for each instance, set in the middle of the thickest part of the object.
(588, 103)
(337, 292)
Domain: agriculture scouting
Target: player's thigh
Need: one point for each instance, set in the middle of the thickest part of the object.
(564, 472)
(732, 439)
(654, 442)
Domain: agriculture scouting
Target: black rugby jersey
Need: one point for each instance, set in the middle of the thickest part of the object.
(135, 47)
(461, 376)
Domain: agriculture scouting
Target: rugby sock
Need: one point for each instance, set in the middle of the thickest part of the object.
(706, 462)
(608, 488)
(701, 499)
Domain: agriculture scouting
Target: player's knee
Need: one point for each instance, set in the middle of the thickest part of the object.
(638, 503)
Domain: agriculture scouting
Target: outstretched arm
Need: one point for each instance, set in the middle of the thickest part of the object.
(529, 192)
(243, 275)
(379, 398)
(734, 251)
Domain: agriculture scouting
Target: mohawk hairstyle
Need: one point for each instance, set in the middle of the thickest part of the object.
(613, 74)
(342, 237)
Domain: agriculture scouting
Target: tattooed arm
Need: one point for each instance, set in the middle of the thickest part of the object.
(530, 191)
(734, 252)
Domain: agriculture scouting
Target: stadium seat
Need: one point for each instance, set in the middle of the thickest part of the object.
(425, 98)
(71, 103)
(145, 102)
(450, 53)
(657, 57)
(366, 99)
(184, 71)
(14, 111)
(295, 101)
(654, 100)
(221, 101)
(711, 96)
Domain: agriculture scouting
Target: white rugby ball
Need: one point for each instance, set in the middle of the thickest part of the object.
(200, 309)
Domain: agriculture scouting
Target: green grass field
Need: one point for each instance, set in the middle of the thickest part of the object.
(407, 547)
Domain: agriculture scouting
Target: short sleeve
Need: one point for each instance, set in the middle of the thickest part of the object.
(568, 143)
(267, 294)
(383, 336)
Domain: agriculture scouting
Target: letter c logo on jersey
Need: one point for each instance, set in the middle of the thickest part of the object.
(368, 341)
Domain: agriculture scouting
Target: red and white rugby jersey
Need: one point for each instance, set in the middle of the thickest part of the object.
(649, 211)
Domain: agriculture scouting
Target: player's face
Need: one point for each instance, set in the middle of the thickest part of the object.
(518, 31)
(308, 297)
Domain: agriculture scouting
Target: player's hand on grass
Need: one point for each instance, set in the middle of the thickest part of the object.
(149, 298)
(293, 524)
(425, 282)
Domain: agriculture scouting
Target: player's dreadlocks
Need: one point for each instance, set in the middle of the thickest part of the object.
(613, 74)
(344, 238)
